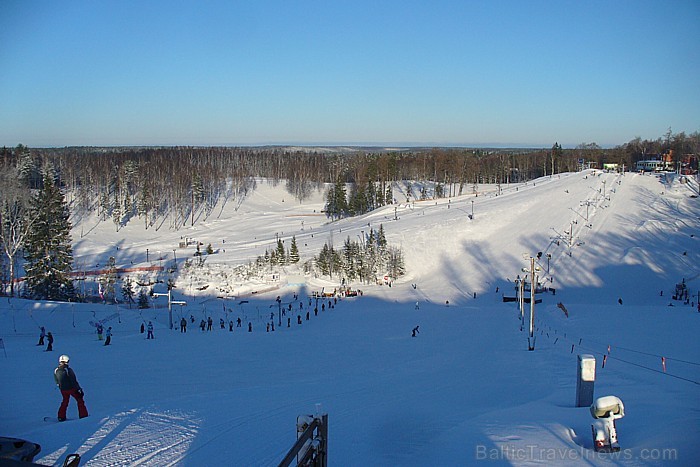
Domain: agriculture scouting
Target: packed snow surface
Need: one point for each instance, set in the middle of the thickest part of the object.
(465, 390)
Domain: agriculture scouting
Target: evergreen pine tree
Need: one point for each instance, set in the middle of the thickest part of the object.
(322, 261)
(48, 252)
(143, 300)
(395, 263)
(381, 237)
(293, 251)
(109, 280)
(128, 291)
(336, 200)
(280, 252)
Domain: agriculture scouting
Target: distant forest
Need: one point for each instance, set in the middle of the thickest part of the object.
(186, 184)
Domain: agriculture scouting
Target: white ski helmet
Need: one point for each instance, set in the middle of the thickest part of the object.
(63, 359)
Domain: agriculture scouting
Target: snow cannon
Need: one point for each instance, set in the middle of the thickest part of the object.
(606, 410)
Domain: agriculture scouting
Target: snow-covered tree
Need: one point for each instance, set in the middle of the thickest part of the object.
(15, 220)
(293, 251)
(128, 291)
(109, 279)
(143, 302)
(280, 253)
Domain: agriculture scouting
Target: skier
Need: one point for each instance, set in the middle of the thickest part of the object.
(143, 328)
(222, 324)
(108, 336)
(49, 346)
(99, 332)
(150, 331)
(415, 331)
(209, 323)
(192, 319)
(238, 322)
(41, 336)
(203, 325)
(298, 319)
(183, 325)
(307, 316)
(68, 384)
(230, 326)
(250, 326)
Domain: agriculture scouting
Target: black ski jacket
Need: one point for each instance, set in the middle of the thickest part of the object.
(65, 378)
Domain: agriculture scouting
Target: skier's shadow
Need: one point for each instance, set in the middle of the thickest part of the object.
(106, 431)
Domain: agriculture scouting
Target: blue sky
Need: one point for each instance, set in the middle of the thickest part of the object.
(355, 72)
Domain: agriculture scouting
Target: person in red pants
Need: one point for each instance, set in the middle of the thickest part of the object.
(68, 384)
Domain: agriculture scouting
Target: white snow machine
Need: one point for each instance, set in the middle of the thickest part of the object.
(606, 410)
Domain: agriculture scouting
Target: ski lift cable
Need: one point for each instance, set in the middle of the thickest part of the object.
(611, 357)
(631, 350)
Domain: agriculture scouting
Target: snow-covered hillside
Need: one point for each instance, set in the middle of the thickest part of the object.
(464, 390)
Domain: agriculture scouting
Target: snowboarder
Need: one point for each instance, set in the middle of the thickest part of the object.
(41, 336)
(99, 332)
(415, 331)
(150, 331)
(619, 300)
(183, 325)
(68, 384)
(108, 336)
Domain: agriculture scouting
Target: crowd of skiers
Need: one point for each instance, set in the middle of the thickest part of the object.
(67, 381)
(207, 324)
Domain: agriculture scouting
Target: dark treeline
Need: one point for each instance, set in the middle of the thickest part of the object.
(46, 191)
(181, 185)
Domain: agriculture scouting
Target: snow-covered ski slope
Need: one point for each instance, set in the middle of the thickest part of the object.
(464, 391)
